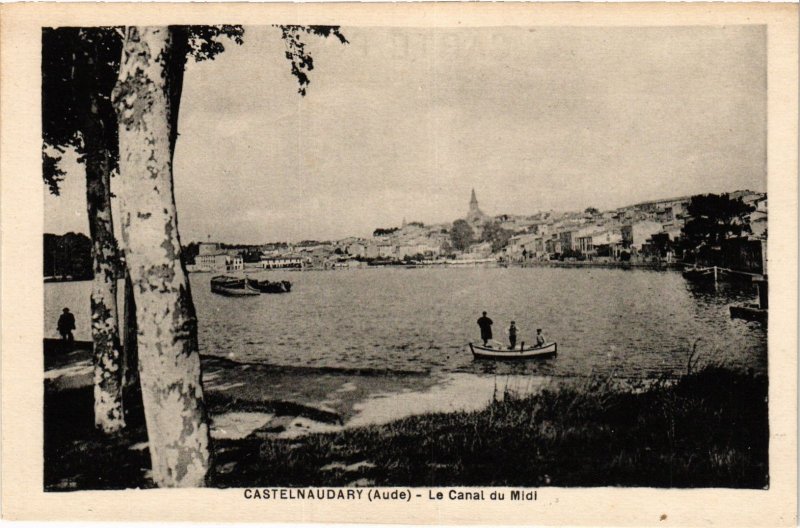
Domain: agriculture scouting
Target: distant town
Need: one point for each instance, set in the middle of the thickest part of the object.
(643, 233)
(652, 233)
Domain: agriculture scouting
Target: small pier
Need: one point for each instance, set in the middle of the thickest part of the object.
(754, 311)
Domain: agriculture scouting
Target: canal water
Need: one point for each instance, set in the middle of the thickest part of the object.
(634, 323)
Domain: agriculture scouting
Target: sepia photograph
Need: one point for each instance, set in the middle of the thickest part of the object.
(460, 262)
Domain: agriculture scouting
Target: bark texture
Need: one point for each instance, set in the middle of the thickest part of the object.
(107, 359)
(169, 362)
(129, 346)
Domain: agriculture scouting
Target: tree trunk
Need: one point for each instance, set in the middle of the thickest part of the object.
(169, 361)
(107, 359)
(129, 346)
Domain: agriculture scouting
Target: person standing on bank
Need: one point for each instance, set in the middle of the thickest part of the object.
(512, 335)
(66, 324)
(486, 328)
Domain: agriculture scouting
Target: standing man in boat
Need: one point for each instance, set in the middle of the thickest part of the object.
(512, 334)
(486, 328)
(66, 324)
(539, 337)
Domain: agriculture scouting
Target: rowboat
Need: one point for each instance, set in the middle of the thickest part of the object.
(265, 286)
(700, 274)
(232, 286)
(501, 352)
(715, 273)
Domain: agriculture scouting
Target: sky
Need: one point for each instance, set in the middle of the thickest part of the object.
(402, 123)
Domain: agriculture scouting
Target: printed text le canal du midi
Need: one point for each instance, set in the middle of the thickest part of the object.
(389, 494)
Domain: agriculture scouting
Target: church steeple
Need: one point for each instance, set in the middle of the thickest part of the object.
(475, 215)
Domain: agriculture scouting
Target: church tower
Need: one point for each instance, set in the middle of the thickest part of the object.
(475, 215)
(473, 202)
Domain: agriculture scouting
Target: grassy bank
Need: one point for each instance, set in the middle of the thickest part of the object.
(706, 429)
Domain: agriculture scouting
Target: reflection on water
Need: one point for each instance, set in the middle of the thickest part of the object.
(633, 322)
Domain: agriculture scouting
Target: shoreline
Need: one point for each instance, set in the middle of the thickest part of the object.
(651, 266)
(290, 401)
(285, 427)
(675, 266)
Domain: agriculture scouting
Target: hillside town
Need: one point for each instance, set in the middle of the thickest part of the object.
(646, 234)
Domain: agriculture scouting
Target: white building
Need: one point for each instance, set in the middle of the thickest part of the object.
(758, 224)
(412, 249)
(583, 240)
(386, 251)
(673, 230)
(281, 262)
(218, 262)
(235, 263)
(637, 233)
(519, 243)
(480, 250)
(606, 238)
(356, 249)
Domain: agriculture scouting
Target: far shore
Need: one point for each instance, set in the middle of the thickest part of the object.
(655, 266)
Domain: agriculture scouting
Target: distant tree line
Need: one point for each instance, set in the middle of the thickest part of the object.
(189, 252)
(497, 236)
(715, 218)
(251, 255)
(68, 256)
(715, 233)
(384, 231)
(462, 236)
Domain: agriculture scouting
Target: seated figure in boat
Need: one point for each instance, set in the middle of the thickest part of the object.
(539, 337)
(512, 335)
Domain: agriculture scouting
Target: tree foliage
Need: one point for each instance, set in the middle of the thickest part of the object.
(446, 248)
(713, 218)
(660, 244)
(461, 235)
(190, 252)
(383, 231)
(603, 251)
(206, 42)
(79, 69)
(296, 52)
(497, 236)
(51, 169)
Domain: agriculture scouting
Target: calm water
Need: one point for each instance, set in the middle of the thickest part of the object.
(637, 323)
